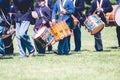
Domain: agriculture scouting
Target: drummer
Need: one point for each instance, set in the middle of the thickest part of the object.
(50, 4)
(64, 8)
(118, 29)
(100, 7)
(43, 16)
(8, 40)
(23, 18)
(4, 22)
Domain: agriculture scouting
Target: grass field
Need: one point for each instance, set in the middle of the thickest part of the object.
(86, 65)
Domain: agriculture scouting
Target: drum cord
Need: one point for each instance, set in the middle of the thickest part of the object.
(44, 46)
(40, 43)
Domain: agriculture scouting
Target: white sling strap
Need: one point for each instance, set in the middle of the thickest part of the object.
(62, 4)
(46, 3)
(74, 2)
(41, 12)
(99, 5)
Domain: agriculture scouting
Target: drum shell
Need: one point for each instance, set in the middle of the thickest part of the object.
(60, 30)
(94, 24)
(111, 16)
(57, 31)
(44, 36)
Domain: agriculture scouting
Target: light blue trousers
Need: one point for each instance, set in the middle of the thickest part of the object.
(22, 38)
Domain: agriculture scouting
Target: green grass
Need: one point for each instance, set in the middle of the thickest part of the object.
(86, 65)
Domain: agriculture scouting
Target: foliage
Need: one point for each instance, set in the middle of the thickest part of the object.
(89, 1)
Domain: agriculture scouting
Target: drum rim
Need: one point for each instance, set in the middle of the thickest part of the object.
(90, 16)
(53, 25)
(41, 33)
(114, 15)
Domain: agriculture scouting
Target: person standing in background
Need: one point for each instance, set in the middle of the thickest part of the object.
(79, 7)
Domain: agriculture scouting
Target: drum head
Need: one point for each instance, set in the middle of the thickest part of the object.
(40, 32)
(117, 16)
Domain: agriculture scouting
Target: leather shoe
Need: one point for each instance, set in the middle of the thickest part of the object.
(32, 54)
(56, 52)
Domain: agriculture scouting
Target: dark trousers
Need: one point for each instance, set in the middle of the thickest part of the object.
(8, 42)
(118, 35)
(63, 47)
(77, 38)
(39, 48)
(50, 48)
(98, 42)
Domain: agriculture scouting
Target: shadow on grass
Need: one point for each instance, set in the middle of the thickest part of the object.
(6, 57)
(15, 54)
(103, 51)
(86, 50)
(106, 50)
(49, 52)
(83, 50)
(113, 47)
(9, 56)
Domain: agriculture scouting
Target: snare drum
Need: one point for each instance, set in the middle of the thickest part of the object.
(114, 16)
(44, 36)
(60, 30)
(94, 24)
